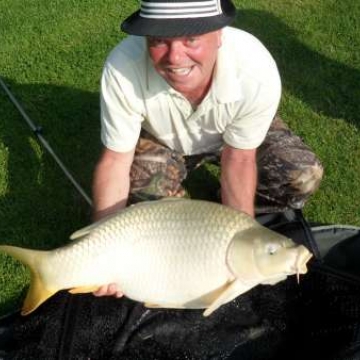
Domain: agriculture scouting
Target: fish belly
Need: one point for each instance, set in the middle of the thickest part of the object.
(175, 271)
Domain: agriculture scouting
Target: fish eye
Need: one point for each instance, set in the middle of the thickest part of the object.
(271, 249)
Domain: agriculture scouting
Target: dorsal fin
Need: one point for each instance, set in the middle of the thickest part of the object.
(84, 231)
(87, 229)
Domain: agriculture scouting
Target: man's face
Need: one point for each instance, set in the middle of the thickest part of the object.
(186, 63)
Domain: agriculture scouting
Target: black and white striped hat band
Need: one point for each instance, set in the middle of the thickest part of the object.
(172, 18)
(180, 10)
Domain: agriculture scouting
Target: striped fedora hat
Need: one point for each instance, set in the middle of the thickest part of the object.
(172, 18)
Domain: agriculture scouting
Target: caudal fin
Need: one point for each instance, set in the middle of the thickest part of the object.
(37, 292)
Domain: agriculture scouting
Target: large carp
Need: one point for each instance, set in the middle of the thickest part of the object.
(172, 253)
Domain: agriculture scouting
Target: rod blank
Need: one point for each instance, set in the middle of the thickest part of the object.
(37, 132)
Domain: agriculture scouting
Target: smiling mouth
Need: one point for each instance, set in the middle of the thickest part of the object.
(182, 71)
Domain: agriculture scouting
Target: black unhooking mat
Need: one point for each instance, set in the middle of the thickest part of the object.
(316, 319)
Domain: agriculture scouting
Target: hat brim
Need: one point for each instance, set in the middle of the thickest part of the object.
(137, 25)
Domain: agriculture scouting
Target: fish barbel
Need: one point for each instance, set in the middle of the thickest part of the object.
(170, 253)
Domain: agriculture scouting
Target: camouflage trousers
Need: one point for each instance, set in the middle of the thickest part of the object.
(288, 171)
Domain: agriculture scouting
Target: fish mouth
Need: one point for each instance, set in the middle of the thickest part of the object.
(303, 257)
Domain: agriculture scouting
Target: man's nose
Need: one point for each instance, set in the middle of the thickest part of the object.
(176, 52)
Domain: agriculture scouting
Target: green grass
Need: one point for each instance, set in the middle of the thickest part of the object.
(51, 56)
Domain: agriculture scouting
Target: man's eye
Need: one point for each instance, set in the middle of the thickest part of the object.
(156, 42)
(191, 41)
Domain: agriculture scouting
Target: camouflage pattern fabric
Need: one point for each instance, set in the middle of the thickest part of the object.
(288, 171)
(156, 172)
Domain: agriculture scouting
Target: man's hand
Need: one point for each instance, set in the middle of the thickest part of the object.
(109, 290)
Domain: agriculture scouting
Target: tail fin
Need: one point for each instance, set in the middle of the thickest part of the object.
(37, 292)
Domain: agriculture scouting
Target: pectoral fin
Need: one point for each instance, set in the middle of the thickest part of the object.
(274, 280)
(84, 289)
(207, 299)
(231, 291)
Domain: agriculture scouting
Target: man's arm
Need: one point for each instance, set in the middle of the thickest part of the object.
(238, 178)
(111, 186)
(111, 182)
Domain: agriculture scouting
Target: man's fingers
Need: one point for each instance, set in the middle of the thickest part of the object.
(109, 290)
(119, 294)
(103, 290)
(114, 290)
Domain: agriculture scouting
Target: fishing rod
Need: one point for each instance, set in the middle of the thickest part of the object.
(37, 130)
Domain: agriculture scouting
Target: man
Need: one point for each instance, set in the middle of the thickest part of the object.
(185, 86)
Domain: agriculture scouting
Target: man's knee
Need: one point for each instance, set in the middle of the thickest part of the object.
(156, 172)
(287, 185)
(289, 171)
(303, 182)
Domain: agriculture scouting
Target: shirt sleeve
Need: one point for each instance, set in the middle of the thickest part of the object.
(121, 113)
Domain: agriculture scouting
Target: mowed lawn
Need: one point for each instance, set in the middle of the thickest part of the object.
(51, 56)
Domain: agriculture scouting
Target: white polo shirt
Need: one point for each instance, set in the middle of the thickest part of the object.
(238, 109)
